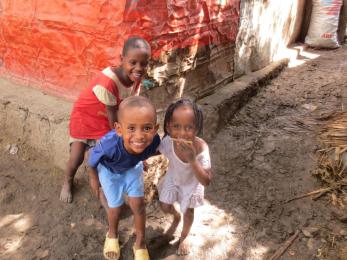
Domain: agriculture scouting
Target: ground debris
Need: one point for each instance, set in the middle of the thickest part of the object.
(318, 192)
(156, 167)
(285, 246)
(14, 149)
(332, 158)
(310, 231)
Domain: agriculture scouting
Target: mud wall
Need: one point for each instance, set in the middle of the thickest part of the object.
(35, 120)
(191, 72)
(59, 45)
(266, 28)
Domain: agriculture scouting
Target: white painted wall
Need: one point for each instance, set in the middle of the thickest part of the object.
(266, 29)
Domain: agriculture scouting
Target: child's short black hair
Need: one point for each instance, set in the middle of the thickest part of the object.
(135, 42)
(136, 101)
(185, 102)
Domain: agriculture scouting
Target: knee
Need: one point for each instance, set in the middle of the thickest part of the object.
(75, 162)
(77, 150)
(139, 208)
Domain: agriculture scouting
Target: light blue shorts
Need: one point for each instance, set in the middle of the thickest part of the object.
(115, 185)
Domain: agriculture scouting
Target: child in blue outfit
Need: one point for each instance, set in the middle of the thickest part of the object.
(116, 164)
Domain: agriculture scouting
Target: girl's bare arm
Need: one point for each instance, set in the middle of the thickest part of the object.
(189, 152)
(204, 176)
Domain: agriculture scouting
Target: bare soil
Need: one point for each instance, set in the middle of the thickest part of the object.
(264, 156)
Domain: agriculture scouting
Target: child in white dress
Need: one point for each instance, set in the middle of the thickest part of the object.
(189, 168)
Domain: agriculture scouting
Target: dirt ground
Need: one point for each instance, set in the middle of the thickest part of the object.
(263, 157)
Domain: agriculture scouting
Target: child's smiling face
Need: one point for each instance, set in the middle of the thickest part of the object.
(137, 126)
(134, 64)
(182, 124)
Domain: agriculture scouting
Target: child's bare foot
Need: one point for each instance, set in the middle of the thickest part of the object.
(66, 192)
(169, 234)
(184, 247)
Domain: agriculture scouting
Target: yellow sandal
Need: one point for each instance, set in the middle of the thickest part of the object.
(141, 254)
(111, 246)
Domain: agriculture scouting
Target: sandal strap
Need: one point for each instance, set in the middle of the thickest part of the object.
(141, 254)
(111, 246)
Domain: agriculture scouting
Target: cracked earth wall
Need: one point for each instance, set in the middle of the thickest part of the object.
(36, 120)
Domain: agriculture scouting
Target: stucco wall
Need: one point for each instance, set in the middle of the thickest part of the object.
(266, 28)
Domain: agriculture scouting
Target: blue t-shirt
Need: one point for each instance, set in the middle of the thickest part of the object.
(110, 152)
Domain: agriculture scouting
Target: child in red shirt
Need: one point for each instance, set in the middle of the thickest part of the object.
(94, 112)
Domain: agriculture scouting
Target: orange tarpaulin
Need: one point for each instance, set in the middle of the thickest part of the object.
(59, 45)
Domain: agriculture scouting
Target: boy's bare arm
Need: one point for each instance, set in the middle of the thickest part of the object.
(111, 115)
(94, 181)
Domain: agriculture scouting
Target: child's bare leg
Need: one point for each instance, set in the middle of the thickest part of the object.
(137, 205)
(163, 240)
(103, 199)
(170, 209)
(184, 246)
(113, 221)
(75, 160)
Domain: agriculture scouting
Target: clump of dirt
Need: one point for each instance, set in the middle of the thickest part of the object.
(155, 168)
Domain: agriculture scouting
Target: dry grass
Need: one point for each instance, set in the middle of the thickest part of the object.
(332, 158)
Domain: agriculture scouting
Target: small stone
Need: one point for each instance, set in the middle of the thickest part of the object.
(269, 147)
(281, 171)
(45, 253)
(310, 231)
(291, 253)
(13, 149)
(259, 158)
(73, 225)
(343, 232)
(310, 107)
(41, 254)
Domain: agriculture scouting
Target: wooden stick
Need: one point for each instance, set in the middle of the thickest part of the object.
(309, 194)
(182, 140)
(285, 246)
(316, 197)
(321, 191)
